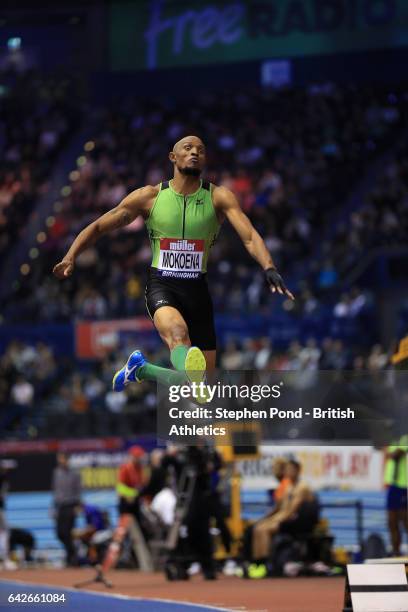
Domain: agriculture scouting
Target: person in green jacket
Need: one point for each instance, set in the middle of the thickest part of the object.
(183, 217)
(395, 478)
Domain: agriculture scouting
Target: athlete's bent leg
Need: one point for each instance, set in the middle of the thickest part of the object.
(172, 327)
(137, 369)
(188, 361)
(173, 330)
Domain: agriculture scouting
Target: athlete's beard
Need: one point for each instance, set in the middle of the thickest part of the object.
(188, 171)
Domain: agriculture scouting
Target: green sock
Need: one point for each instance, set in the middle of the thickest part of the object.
(164, 376)
(178, 357)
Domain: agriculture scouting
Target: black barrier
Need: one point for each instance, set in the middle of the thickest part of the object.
(32, 472)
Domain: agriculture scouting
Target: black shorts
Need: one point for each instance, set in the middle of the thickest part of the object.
(191, 298)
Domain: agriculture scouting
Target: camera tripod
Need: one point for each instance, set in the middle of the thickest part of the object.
(99, 577)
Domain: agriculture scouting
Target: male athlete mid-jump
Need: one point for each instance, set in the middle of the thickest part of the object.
(183, 217)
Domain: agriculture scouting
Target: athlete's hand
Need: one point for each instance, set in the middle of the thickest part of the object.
(64, 268)
(275, 282)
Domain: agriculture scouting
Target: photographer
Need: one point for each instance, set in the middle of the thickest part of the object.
(200, 510)
(6, 465)
(295, 513)
(3, 524)
(131, 480)
(66, 487)
(396, 481)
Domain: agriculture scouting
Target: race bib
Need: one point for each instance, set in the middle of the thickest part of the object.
(181, 258)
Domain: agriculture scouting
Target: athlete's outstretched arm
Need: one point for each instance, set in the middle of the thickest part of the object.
(226, 202)
(123, 214)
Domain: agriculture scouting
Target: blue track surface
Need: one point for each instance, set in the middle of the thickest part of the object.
(80, 600)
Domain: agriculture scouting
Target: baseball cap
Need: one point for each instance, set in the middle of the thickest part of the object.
(136, 451)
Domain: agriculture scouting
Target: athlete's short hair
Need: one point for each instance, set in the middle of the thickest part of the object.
(178, 143)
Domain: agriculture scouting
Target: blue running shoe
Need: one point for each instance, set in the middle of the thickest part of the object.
(128, 373)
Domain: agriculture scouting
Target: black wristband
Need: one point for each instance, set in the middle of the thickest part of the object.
(274, 279)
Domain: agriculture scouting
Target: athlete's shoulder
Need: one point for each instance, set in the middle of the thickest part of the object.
(149, 191)
(221, 191)
(222, 196)
(142, 195)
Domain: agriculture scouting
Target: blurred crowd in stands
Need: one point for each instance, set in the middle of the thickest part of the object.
(291, 157)
(37, 114)
(43, 396)
(382, 220)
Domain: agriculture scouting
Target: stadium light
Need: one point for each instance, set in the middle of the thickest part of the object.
(14, 43)
(89, 146)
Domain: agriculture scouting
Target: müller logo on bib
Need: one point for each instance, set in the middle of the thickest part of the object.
(181, 258)
(182, 245)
